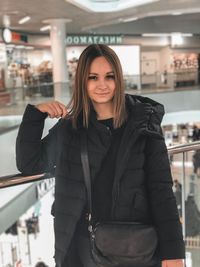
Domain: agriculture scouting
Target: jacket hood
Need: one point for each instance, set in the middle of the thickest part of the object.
(145, 113)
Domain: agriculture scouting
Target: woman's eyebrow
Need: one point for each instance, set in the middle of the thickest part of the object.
(110, 72)
(93, 73)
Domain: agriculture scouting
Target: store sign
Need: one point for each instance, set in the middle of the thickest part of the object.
(7, 35)
(44, 187)
(93, 39)
(16, 37)
(13, 37)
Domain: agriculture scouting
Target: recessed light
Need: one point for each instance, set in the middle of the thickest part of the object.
(156, 34)
(176, 13)
(6, 21)
(24, 20)
(128, 19)
(166, 34)
(45, 28)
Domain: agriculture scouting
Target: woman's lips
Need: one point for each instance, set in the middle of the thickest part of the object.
(103, 94)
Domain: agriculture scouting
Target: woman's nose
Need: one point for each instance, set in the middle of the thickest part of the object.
(102, 84)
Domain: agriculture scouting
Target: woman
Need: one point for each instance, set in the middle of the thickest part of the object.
(127, 154)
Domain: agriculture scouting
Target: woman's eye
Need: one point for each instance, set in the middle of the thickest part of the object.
(92, 78)
(110, 77)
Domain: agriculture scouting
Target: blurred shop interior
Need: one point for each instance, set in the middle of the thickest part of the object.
(158, 43)
(25, 68)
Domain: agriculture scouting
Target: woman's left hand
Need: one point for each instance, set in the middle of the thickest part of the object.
(173, 263)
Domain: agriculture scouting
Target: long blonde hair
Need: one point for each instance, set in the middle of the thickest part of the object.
(80, 102)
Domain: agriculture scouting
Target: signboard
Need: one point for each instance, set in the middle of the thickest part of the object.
(9, 36)
(93, 39)
(44, 187)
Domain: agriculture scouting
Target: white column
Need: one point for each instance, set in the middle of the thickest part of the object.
(58, 47)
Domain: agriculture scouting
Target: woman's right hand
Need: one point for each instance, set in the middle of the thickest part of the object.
(54, 109)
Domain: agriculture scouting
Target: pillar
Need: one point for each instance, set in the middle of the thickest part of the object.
(58, 48)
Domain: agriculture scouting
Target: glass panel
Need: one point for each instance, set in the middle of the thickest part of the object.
(186, 174)
(163, 81)
(156, 82)
(28, 225)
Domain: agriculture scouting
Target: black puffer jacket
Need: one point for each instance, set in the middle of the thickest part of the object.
(142, 188)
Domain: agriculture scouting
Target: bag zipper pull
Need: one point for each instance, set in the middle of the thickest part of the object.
(90, 228)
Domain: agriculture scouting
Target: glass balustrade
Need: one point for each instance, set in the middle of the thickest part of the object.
(185, 167)
(26, 224)
(26, 202)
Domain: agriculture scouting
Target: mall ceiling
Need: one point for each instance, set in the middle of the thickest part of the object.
(156, 17)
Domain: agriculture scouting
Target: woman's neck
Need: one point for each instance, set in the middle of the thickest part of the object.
(104, 111)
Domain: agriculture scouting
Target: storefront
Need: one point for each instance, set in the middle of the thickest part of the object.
(27, 63)
(129, 55)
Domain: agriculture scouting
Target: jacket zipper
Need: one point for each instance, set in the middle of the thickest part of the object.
(115, 197)
(109, 131)
(152, 111)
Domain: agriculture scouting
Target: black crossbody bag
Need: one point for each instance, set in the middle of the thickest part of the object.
(118, 244)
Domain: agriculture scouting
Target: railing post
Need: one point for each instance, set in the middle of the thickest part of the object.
(183, 196)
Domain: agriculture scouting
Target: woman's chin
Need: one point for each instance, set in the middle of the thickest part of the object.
(102, 100)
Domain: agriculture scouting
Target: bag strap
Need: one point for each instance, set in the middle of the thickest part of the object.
(86, 173)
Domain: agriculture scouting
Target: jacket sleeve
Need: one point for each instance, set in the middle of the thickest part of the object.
(33, 154)
(162, 200)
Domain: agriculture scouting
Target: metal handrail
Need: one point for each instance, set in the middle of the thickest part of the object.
(17, 179)
(184, 148)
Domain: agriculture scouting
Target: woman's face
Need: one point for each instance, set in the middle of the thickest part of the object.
(101, 81)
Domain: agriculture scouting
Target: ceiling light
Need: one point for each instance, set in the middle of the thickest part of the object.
(176, 38)
(165, 34)
(24, 20)
(156, 34)
(128, 19)
(176, 13)
(6, 21)
(45, 28)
